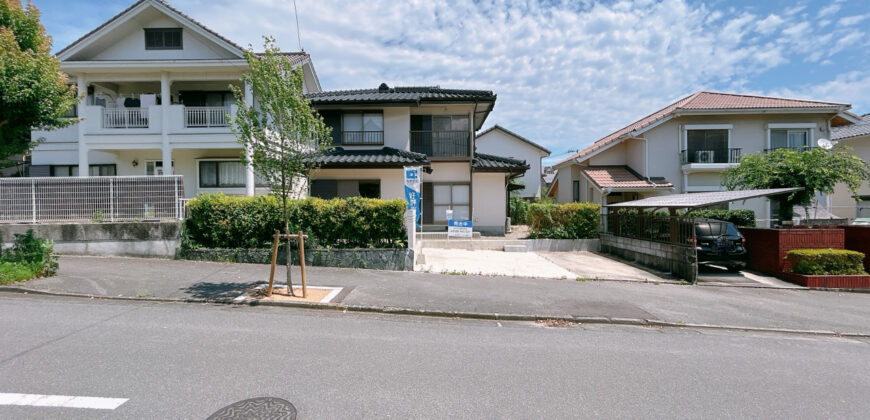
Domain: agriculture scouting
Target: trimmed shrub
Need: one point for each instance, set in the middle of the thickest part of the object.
(741, 218)
(565, 221)
(519, 210)
(221, 221)
(826, 261)
(29, 257)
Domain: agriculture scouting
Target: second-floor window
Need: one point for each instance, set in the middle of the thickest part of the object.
(163, 39)
(440, 135)
(364, 128)
(707, 146)
(789, 139)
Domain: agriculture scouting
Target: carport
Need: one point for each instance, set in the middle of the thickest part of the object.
(635, 230)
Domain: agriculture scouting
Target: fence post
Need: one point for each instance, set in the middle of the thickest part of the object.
(33, 198)
(111, 199)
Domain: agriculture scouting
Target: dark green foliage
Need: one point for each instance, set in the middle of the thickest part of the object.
(741, 218)
(826, 261)
(221, 221)
(565, 221)
(519, 210)
(28, 254)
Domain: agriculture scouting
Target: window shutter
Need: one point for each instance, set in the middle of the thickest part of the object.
(332, 119)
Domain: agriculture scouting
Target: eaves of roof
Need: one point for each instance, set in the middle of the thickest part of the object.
(483, 162)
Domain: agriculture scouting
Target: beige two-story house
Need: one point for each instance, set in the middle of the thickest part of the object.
(377, 132)
(686, 146)
(155, 100)
(857, 136)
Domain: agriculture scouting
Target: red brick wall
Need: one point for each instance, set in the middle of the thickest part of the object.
(833, 282)
(767, 247)
(858, 239)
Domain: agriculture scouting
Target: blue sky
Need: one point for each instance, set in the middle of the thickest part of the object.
(566, 72)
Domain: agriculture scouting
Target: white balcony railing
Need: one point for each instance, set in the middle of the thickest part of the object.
(206, 116)
(125, 118)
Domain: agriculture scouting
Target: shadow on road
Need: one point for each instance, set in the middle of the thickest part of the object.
(204, 290)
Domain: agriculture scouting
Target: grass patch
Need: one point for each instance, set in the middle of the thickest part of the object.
(14, 272)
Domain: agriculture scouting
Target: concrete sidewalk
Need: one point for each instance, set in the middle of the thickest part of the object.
(724, 306)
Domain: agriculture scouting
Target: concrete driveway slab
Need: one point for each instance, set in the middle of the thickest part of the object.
(492, 263)
(588, 265)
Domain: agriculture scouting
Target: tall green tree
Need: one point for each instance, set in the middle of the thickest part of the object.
(282, 132)
(33, 91)
(816, 170)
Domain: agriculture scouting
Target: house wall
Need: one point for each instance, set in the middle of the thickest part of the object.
(499, 143)
(449, 172)
(635, 156)
(392, 180)
(843, 203)
(615, 155)
(488, 197)
(129, 42)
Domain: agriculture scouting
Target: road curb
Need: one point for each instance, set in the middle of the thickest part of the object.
(388, 310)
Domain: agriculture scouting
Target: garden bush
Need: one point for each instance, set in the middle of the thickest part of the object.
(826, 261)
(29, 257)
(221, 221)
(565, 221)
(741, 218)
(519, 210)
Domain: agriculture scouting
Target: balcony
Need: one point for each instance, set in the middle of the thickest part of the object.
(362, 138)
(445, 144)
(206, 116)
(709, 160)
(795, 148)
(125, 117)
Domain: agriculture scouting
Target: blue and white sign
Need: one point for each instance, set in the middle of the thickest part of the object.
(413, 185)
(459, 228)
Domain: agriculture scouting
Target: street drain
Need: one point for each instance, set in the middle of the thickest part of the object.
(257, 408)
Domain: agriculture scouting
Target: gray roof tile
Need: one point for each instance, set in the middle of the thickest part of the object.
(386, 157)
(862, 128)
(400, 94)
(490, 163)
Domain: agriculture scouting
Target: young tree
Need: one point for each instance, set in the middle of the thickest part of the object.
(816, 170)
(33, 90)
(281, 131)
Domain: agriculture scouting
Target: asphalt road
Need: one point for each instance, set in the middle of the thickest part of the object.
(188, 360)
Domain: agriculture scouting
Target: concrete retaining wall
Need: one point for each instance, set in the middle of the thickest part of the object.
(130, 239)
(681, 261)
(401, 259)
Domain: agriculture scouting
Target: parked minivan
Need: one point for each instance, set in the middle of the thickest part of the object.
(720, 243)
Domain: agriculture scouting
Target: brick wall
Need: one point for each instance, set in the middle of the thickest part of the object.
(767, 247)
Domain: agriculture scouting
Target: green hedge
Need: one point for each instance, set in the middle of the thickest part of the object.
(519, 210)
(826, 261)
(741, 218)
(221, 221)
(29, 257)
(565, 221)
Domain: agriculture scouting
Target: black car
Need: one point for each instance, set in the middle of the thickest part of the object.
(720, 243)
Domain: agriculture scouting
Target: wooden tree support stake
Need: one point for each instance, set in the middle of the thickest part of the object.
(301, 238)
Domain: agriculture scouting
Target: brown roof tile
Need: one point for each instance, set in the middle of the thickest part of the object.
(621, 177)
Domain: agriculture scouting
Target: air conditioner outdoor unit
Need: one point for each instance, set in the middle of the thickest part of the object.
(705, 156)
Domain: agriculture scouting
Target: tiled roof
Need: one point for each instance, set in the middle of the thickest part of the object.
(403, 94)
(161, 2)
(295, 57)
(386, 157)
(483, 162)
(621, 177)
(521, 138)
(707, 101)
(862, 128)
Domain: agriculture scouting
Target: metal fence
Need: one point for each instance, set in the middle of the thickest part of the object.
(99, 198)
(440, 143)
(206, 116)
(655, 227)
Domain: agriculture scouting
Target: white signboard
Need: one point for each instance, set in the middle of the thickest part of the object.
(459, 228)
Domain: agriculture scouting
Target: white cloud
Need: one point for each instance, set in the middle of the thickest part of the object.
(829, 10)
(565, 74)
(853, 20)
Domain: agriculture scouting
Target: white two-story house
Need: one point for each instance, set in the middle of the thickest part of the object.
(686, 146)
(155, 99)
(501, 141)
(377, 132)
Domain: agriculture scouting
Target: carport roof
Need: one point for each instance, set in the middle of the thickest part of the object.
(693, 200)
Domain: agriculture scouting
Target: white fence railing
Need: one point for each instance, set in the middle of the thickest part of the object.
(99, 198)
(206, 116)
(125, 118)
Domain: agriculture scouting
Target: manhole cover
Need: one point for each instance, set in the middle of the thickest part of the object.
(257, 408)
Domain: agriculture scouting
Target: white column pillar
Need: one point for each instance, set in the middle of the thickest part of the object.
(82, 85)
(249, 170)
(165, 101)
(249, 175)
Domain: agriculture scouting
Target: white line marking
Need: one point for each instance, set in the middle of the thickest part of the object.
(68, 401)
(335, 291)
